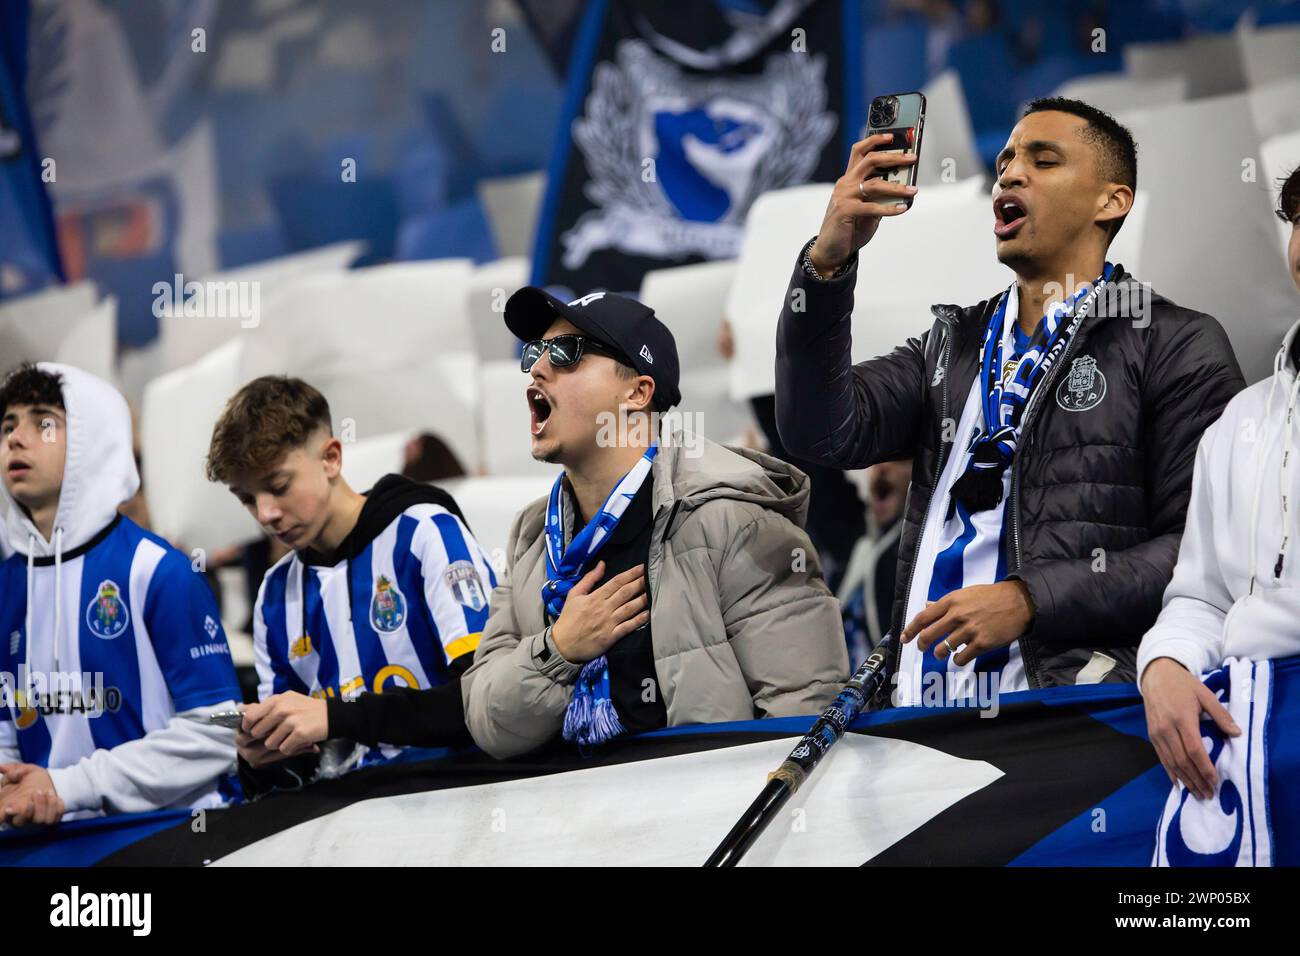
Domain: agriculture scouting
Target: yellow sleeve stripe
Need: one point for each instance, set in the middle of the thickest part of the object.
(463, 645)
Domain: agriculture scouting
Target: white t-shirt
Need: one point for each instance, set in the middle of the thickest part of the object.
(956, 552)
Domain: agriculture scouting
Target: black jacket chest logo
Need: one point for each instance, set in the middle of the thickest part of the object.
(1083, 387)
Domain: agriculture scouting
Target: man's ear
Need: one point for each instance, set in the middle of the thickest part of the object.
(1118, 203)
(641, 395)
(332, 457)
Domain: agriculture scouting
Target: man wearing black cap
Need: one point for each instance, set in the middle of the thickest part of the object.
(660, 582)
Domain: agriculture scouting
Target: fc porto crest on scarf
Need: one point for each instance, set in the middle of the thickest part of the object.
(462, 579)
(106, 615)
(387, 607)
(1083, 388)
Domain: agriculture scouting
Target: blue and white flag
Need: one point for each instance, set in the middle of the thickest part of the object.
(1058, 777)
(1233, 827)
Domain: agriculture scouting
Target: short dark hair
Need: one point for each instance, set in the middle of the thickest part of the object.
(263, 421)
(1113, 141)
(29, 385)
(1288, 201)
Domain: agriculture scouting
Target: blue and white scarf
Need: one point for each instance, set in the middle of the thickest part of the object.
(591, 718)
(1233, 828)
(980, 486)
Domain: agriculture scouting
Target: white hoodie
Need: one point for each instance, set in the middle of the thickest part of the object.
(1236, 589)
(180, 756)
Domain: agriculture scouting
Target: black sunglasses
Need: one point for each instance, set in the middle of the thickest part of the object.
(565, 351)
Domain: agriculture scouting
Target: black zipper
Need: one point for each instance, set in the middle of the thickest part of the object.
(1027, 653)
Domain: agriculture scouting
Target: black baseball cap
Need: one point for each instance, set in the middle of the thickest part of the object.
(616, 321)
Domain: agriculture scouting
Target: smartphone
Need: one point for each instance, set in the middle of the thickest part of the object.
(232, 719)
(902, 114)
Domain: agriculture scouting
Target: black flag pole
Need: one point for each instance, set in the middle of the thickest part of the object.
(794, 770)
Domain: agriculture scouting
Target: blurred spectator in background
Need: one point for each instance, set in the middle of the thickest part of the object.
(836, 520)
(427, 458)
(867, 592)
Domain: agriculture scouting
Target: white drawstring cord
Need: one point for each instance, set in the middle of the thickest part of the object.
(1265, 441)
(58, 596)
(27, 627)
(1288, 520)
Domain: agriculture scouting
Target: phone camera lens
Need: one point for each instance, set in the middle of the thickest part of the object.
(884, 110)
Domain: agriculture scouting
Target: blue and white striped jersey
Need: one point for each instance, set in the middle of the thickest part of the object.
(124, 635)
(394, 614)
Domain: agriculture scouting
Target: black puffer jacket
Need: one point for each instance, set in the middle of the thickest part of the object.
(1103, 470)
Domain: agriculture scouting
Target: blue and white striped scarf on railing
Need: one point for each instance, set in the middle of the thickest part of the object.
(980, 486)
(591, 718)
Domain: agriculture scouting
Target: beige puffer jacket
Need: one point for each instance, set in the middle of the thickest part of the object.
(742, 623)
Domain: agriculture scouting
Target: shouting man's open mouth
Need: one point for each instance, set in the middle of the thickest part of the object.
(539, 405)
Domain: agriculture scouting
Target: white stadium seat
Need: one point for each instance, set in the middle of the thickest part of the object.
(490, 285)
(505, 420)
(439, 395)
(491, 503)
(91, 343)
(1275, 107)
(35, 327)
(1196, 183)
(778, 224)
(386, 316)
(176, 419)
(948, 141)
(184, 339)
(389, 346)
(512, 204)
(691, 300)
(57, 305)
(367, 460)
(1270, 54)
(62, 324)
(1211, 63)
(940, 251)
(1114, 92)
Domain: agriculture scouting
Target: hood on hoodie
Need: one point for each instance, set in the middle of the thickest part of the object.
(99, 472)
(1286, 364)
(702, 470)
(390, 496)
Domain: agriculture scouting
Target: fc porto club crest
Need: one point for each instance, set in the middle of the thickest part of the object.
(387, 607)
(106, 615)
(463, 580)
(1083, 388)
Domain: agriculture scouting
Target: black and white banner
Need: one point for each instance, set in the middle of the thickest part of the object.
(674, 122)
(1062, 777)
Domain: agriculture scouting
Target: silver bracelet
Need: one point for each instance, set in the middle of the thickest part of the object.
(809, 268)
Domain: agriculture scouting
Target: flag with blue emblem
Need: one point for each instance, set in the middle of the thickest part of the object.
(674, 125)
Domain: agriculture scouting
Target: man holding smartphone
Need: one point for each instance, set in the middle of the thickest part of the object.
(1053, 426)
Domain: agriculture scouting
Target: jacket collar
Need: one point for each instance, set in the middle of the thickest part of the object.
(964, 318)
(1290, 347)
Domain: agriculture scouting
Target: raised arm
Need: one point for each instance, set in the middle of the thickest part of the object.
(828, 410)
